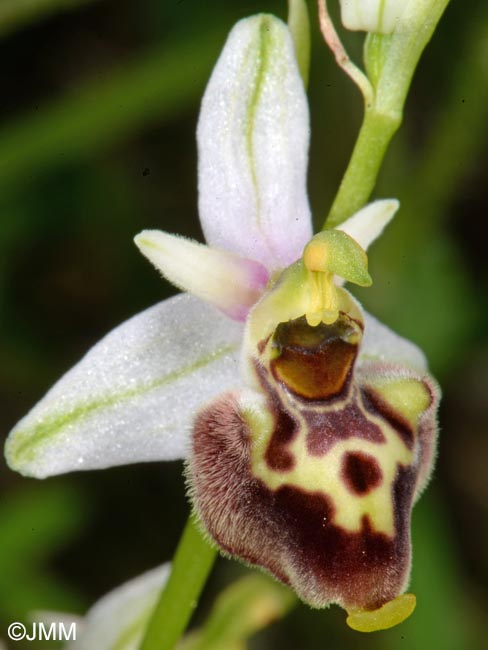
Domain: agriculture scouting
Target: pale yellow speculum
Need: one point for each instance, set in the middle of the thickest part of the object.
(323, 473)
(409, 397)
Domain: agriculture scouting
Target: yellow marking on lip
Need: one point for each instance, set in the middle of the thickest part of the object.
(323, 473)
(409, 397)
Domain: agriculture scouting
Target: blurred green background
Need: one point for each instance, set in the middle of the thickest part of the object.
(99, 105)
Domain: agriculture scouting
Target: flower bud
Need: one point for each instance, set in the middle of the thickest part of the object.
(381, 16)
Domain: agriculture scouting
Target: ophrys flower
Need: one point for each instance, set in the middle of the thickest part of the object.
(306, 459)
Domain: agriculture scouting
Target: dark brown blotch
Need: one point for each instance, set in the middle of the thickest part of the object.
(331, 426)
(361, 472)
(277, 456)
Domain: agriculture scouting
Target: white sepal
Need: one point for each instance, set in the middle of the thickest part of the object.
(226, 280)
(368, 223)
(133, 396)
(380, 343)
(253, 135)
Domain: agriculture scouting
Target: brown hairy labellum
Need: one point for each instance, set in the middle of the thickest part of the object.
(312, 475)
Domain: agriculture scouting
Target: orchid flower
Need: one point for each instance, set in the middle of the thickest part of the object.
(309, 427)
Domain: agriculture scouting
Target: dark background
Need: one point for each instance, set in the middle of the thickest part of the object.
(99, 102)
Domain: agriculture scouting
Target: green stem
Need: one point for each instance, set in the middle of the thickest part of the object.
(299, 26)
(192, 563)
(394, 63)
(360, 178)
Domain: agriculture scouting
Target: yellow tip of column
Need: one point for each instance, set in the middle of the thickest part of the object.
(316, 255)
(389, 615)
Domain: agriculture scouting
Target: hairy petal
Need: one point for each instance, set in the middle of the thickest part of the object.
(118, 619)
(132, 397)
(253, 137)
(368, 223)
(230, 282)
